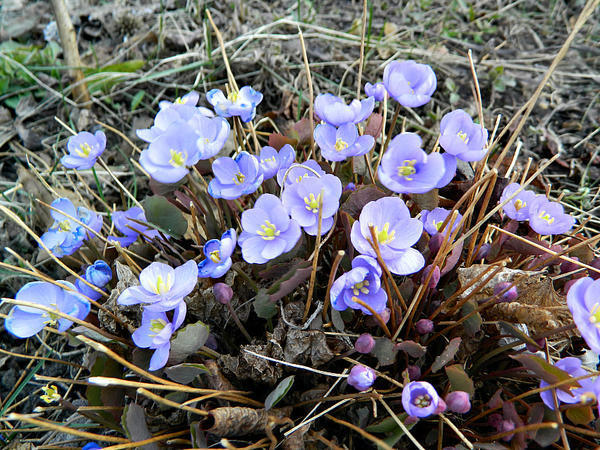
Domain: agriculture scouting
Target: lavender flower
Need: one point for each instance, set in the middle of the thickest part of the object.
(573, 367)
(334, 111)
(272, 161)
(268, 230)
(84, 149)
(518, 207)
(377, 91)
(155, 333)
(396, 233)
(297, 172)
(583, 300)
(344, 142)
(301, 200)
(126, 223)
(410, 83)
(190, 99)
(419, 399)
(98, 274)
(461, 137)
(218, 255)
(406, 168)
(211, 133)
(433, 220)
(546, 217)
(363, 283)
(235, 177)
(91, 446)
(163, 288)
(25, 321)
(242, 103)
(449, 170)
(361, 377)
(510, 292)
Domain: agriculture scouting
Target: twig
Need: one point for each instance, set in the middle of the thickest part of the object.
(334, 267)
(311, 94)
(313, 273)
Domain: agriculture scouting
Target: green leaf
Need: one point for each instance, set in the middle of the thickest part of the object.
(547, 372)
(459, 380)
(385, 351)
(264, 307)
(279, 392)
(134, 424)
(165, 216)
(185, 373)
(188, 341)
(473, 324)
(137, 99)
(582, 415)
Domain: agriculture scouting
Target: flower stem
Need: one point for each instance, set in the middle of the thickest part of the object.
(236, 319)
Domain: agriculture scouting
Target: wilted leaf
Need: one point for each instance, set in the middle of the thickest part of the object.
(411, 348)
(303, 132)
(547, 372)
(134, 424)
(188, 341)
(545, 437)
(358, 199)
(459, 380)
(277, 141)
(473, 324)
(582, 415)
(185, 373)
(165, 216)
(264, 307)
(515, 332)
(279, 392)
(374, 125)
(290, 281)
(385, 351)
(447, 355)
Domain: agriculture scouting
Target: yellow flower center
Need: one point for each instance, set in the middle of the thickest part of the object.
(215, 256)
(340, 145)
(156, 326)
(179, 101)
(163, 286)
(384, 236)
(239, 178)
(361, 287)
(269, 231)
(312, 203)
(84, 150)
(177, 158)
(233, 96)
(50, 394)
(422, 401)
(65, 225)
(463, 136)
(407, 169)
(547, 217)
(519, 204)
(438, 225)
(301, 177)
(266, 160)
(595, 315)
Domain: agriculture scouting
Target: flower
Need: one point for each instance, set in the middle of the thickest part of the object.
(218, 255)
(339, 144)
(362, 283)
(583, 300)
(518, 207)
(361, 377)
(301, 200)
(573, 367)
(458, 402)
(396, 232)
(127, 223)
(65, 236)
(272, 161)
(163, 288)
(223, 293)
(190, 99)
(91, 446)
(461, 137)
(406, 168)
(268, 230)
(50, 394)
(211, 133)
(235, 177)
(296, 172)
(364, 343)
(98, 274)
(433, 220)
(546, 217)
(510, 292)
(410, 83)
(419, 399)
(242, 103)
(449, 170)
(155, 333)
(424, 326)
(334, 111)
(25, 321)
(84, 149)
(377, 91)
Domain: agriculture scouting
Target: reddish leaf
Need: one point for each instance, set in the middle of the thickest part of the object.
(411, 348)
(452, 259)
(374, 125)
(459, 380)
(303, 132)
(277, 141)
(447, 355)
(358, 199)
(547, 372)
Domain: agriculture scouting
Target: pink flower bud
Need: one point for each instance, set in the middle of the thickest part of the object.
(436, 242)
(441, 407)
(361, 377)
(458, 402)
(532, 348)
(223, 293)
(494, 420)
(364, 343)
(435, 278)
(424, 326)
(509, 295)
(414, 373)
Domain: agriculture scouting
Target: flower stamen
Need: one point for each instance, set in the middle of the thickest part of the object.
(384, 236)
(407, 169)
(84, 150)
(312, 203)
(177, 158)
(340, 145)
(269, 231)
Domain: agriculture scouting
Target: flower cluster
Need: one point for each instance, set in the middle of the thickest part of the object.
(361, 284)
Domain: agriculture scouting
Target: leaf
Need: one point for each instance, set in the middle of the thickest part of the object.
(447, 355)
(303, 132)
(337, 320)
(452, 259)
(359, 198)
(185, 373)
(198, 436)
(165, 216)
(535, 415)
(581, 415)
(473, 324)
(279, 392)
(515, 332)
(411, 348)
(459, 380)
(134, 424)
(374, 125)
(277, 141)
(545, 437)
(188, 341)
(386, 425)
(290, 281)
(428, 200)
(263, 306)
(103, 366)
(547, 372)
(137, 99)
(385, 351)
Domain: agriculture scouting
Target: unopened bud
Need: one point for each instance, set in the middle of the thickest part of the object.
(441, 407)
(494, 420)
(506, 425)
(436, 242)
(596, 265)
(458, 402)
(350, 187)
(223, 293)
(505, 295)
(364, 343)
(414, 373)
(435, 277)
(361, 377)
(99, 273)
(424, 326)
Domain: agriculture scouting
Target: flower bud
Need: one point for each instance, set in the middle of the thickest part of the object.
(532, 348)
(350, 187)
(435, 242)
(568, 266)
(99, 273)
(364, 343)
(484, 250)
(506, 425)
(424, 326)
(414, 373)
(435, 277)
(509, 295)
(223, 293)
(458, 402)
(441, 407)
(410, 420)
(361, 377)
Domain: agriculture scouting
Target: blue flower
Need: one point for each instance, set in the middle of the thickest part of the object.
(84, 149)
(462, 137)
(344, 142)
(573, 367)
(297, 172)
(25, 321)
(361, 377)
(518, 207)
(98, 274)
(235, 177)
(91, 446)
(127, 223)
(362, 283)
(409, 83)
(433, 220)
(272, 161)
(155, 333)
(190, 99)
(334, 111)
(218, 255)
(377, 91)
(546, 217)
(212, 133)
(242, 103)
(583, 300)
(420, 399)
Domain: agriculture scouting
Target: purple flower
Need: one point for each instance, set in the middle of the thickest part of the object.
(410, 83)
(272, 161)
(211, 133)
(297, 172)
(583, 300)
(242, 103)
(334, 111)
(424, 326)
(546, 217)
(461, 137)
(406, 168)
(396, 233)
(190, 99)
(84, 149)
(458, 402)
(419, 399)
(301, 200)
(155, 333)
(268, 231)
(235, 177)
(163, 288)
(98, 274)
(344, 142)
(449, 170)
(573, 367)
(433, 220)
(361, 377)
(218, 255)
(91, 446)
(377, 91)
(362, 283)
(126, 223)
(518, 207)
(510, 292)
(364, 343)
(25, 321)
